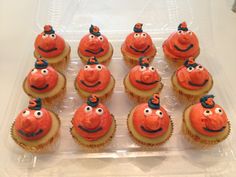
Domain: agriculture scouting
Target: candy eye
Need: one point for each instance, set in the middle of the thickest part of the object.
(44, 71)
(44, 35)
(159, 113)
(179, 32)
(38, 114)
(88, 109)
(190, 69)
(142, 68)
(219, 111)
(199, 67)
(99, 67)
(52, 36)
(100, 38)
(136, 35)
(147, 111)
(25, 113)
(151, 68)
(144, 35)
(34, 71)
(99, 111)
(207, 112)
(190, 32)
(86, 67)
(91, 36)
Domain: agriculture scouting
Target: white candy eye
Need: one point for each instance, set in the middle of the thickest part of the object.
(190, 32)
(38, 114)
(44, 35)
(100, 38)
(91, 36)
(99, 67)
(142, 68)
(53, 36)
(207, 112)
(179, 32)
(86, 67)
(159, 113)
(34, 71)
(99, 111)
(88, 109)
(144, 35)
(219, 111)
(151, 68)
(199, 67)
(136, 35)
(190, 69)
(44, 71)
(25, 113)
(147, 111)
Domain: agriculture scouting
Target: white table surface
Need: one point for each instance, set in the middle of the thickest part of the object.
(16, 30)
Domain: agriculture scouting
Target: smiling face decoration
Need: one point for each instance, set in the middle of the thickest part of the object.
(150, 119)
(143, 76)
(94, 76)
(94, 43)
(42, 78)
(92, 120)
(33, 122)
(207, 117)
(48, 44)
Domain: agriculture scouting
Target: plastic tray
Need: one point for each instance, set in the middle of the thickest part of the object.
(71, 19)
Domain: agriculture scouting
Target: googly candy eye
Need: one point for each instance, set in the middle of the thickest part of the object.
(147, 111)
(88, 109)
(38, 114)
(99, 111)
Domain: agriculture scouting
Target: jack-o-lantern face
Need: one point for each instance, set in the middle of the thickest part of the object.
(94, 44)
(33, 124)
(92, 121)
(48, 44)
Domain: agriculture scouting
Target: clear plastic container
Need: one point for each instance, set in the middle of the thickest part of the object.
(71, 19)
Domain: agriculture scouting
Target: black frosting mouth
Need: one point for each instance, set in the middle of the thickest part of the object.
(140, 51)
(89, 130)
(149, 83)
(210, 130)
(198, 85)
(94, 52)
(87, 85)
(183, 50)
(30, 134)
(151, 131)
(40, 88)
(49, 50)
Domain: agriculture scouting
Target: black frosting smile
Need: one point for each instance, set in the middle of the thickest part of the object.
(210, 130)
(149, 83)
(140, 51)
(30, 134)
(49, 50)
(89, 130)
(94, 52)
(151, 131)
(183, 50)
(198, 85)
(94, 85)
(40, 88)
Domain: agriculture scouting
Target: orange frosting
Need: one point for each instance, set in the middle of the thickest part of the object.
(182, 44)
(208, 121)
(48, 44)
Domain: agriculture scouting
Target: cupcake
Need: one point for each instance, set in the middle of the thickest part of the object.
(94, 78)
(138, 44)
(45, 82)
(192, 79)
(35, 128)
(93, 124)
(206, 122)
(181, 45)
(149, 123)
(53, 48)
(142, 81)
(95, 44)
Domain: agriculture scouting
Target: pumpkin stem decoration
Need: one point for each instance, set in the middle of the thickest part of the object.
(92, 61)
(183, 27)
(207, 101)
(154, 101)
(94, 30)
(41, 64)
(144, 61)
(35, 104)
(48, 29)
(190, 62)
(93, 100)
(138, 28)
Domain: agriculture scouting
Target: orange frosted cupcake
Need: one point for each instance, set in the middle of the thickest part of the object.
(181, 45)
(192, 79)
(93, 124)
(142, 81)
(45, 82)
(35, 128)
(52, 47)
(206, 122)
(149, 123)
(94, 78)
(95, 44)
(138, 44)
